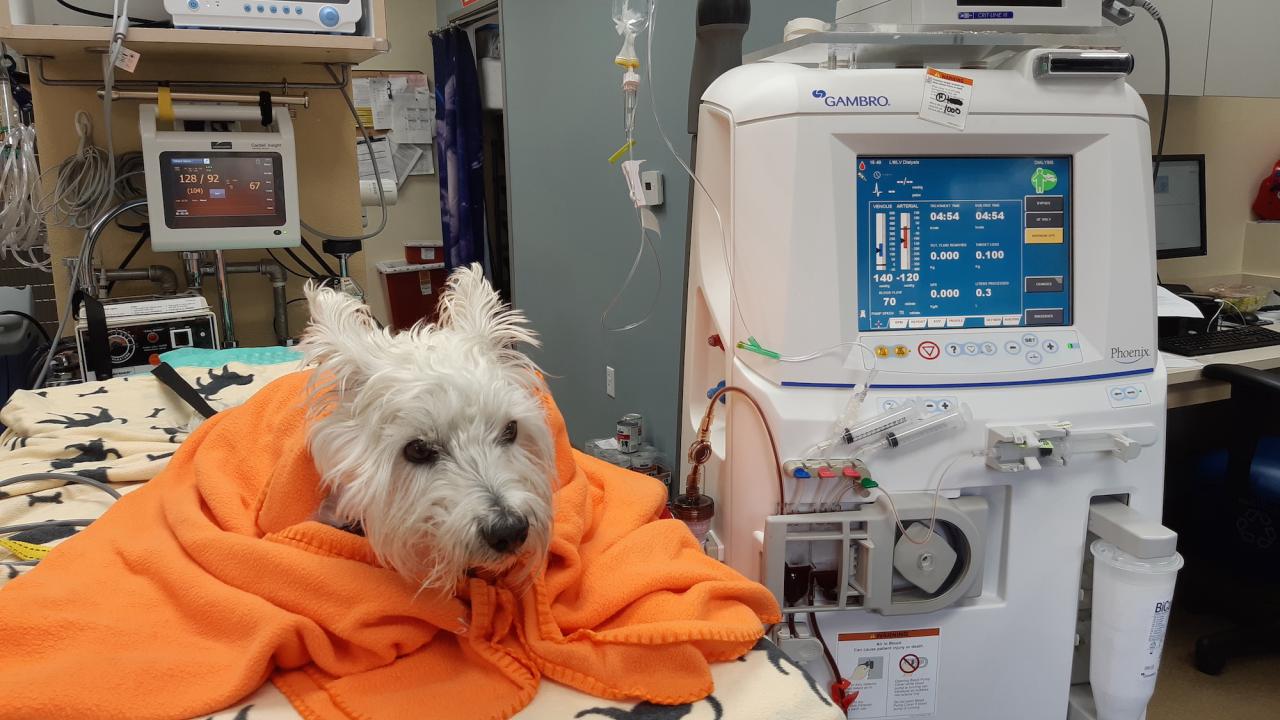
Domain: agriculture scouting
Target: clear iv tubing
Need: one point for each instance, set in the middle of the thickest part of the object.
(937, 496)
(19, 221)
(715, 208)
(630, 125)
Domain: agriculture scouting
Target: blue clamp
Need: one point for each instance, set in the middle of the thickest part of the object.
(712, 392)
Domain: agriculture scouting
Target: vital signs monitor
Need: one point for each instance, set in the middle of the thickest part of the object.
(231, 188)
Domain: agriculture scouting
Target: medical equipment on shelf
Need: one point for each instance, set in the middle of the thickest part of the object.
(140, 329)
(321, 16)
(220, 189)
(977, 14)
(968, 254)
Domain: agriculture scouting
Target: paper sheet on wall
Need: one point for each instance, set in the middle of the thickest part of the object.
(385, 92)
(426, 164)
(386, 163)
(413, 116)
(362, 96)
(405, 157)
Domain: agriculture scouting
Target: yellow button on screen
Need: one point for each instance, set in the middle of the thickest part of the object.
(1045, 236)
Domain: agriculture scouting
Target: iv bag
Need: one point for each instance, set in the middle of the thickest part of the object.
(630, 17)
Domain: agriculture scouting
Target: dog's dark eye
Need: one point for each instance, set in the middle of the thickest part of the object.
(508, 433)
(420, 452)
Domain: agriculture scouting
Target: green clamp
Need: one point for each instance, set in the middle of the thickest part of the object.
(752, 346)
(869, 484)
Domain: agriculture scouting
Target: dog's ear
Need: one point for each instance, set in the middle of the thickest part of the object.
(341, 334)
(471, 305)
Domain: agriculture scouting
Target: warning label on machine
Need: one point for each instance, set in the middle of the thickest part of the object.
(894, 673)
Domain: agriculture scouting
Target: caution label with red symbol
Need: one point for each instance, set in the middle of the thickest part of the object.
(929, 350)
(895, 673)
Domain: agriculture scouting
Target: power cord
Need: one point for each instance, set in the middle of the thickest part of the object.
(83, 182)
(36, 323)
(1114, 11)
(319, 258)
(144, 234)
(377, 174)
(107, 16)
(1151, 8)
(305, 267)
(288, 269)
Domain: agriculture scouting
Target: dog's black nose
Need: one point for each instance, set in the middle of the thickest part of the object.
(507, 533)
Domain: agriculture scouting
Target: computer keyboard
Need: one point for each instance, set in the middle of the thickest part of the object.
(1244, 338)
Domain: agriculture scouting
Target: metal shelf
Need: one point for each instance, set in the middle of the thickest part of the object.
(71, 42)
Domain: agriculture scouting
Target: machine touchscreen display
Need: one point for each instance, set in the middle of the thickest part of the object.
(964, 242)
(227, 189)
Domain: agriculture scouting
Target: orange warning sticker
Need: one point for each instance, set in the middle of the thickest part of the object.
(891, 673)
(934, 72)
(891, 634)
(947, 98)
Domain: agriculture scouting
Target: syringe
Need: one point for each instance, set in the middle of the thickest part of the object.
(925, 429)
(878, 427)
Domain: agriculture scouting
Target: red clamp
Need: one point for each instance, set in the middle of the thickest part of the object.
(840, 693)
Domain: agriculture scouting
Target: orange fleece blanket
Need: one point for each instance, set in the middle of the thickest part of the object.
(193, 591)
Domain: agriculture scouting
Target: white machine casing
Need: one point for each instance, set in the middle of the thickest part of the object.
(781, 164)
(320, 16)
(986, 15)
(279, 141)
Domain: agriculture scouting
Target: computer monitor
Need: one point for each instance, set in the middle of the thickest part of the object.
(1180, 207)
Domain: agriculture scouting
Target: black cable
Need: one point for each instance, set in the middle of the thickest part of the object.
(18, 313)
(826, 651)
(143, 236)
(131, 228)
(319, 258)
(302, 264)
(139, 22)
(37, 360)
(1168, 80)
(295, 300)
(288, 269)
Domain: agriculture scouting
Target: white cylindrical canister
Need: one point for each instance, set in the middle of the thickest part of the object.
(1132, 600)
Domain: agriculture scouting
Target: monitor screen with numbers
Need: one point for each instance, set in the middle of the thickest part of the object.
(964, 242)
(222, 189)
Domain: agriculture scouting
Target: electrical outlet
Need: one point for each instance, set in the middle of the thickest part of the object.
(610, 383)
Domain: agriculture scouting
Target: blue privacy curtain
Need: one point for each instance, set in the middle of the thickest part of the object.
(459, 152)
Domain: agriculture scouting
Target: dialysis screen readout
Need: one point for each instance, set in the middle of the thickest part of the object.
(223, 189)
(963, 242)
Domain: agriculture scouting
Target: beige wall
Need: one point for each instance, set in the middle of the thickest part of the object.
(1240, 138)
(416, 216)
(326, 174)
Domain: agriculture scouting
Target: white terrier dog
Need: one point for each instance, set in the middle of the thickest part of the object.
(433, 442)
